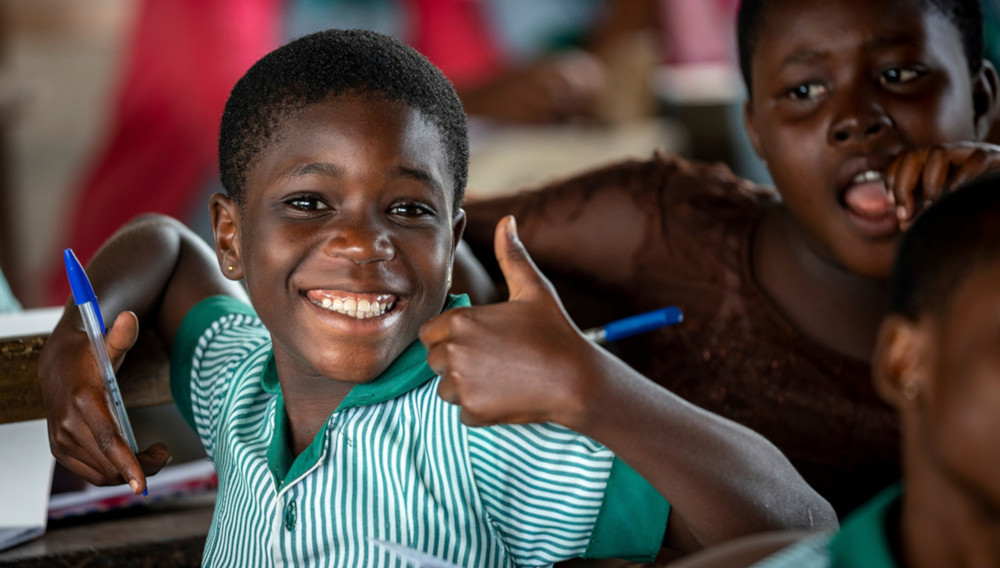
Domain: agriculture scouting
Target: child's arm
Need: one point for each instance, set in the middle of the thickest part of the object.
(566, 223)
(157, 269)
(524, 361)
(919, 177)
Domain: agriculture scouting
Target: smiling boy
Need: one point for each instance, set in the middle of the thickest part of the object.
(864, 111)
(344, 156)
(382, 172)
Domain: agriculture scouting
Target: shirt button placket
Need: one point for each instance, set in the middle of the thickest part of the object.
(290, 516)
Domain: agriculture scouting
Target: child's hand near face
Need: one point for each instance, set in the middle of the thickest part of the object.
(82, 429)
(918, 178)
(537, 379)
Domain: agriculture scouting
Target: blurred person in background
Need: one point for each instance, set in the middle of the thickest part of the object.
(512, 61)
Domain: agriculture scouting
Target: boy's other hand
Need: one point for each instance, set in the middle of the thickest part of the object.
(83, 433)
(917, 178)
(518, 361)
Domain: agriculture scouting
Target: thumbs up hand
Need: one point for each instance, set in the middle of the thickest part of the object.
(518, 361)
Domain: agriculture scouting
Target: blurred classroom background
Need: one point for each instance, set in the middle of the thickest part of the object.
(91, 92)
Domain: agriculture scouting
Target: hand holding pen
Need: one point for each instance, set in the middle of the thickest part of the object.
(90, 312)
(84, 433)
(86, 301)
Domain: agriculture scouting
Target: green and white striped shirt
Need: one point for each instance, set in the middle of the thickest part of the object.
(393, 463)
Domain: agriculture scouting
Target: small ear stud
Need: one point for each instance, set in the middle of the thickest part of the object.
(910, 390)
(230, 268)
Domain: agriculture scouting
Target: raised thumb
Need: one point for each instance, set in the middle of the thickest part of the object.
(524, 281)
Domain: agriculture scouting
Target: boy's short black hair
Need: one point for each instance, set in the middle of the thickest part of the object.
(953, 238)
(966, 15)
(328, 64)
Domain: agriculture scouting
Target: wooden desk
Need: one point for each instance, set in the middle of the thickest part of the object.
(144, 377)
(168, 534)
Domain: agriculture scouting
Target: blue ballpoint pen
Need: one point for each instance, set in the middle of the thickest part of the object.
(634, 325)
(86, 300)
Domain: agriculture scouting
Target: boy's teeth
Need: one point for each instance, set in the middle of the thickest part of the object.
(868, 177)
(355, 308)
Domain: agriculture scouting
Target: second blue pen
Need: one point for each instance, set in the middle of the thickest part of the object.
(634, 325)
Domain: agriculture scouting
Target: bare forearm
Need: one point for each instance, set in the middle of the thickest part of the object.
(156, 268)
(722, 479)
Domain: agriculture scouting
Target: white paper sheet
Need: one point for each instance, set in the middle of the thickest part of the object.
(38, 321)
(25, 481)
(171, 482)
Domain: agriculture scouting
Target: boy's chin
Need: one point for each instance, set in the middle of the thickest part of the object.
(873, 269)
(868, 260)
(354, 376)
(354, 371)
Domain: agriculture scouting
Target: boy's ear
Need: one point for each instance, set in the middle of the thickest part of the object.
(898, 365)
(457, 228)
(225, 216)
(984, 98)
(751, 129)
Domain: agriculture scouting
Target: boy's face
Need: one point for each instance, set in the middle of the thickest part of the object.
(958, 419)
(347, 236)
(839, 90)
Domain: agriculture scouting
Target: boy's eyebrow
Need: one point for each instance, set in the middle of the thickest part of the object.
(335, 171)
(893, 41)
(802, 57)
(418, 175)
(321, 168)
(812, 55)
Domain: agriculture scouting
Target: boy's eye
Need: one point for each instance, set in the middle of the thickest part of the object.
(807, 91)
(898, 75)
(410, 209)
(306, 203)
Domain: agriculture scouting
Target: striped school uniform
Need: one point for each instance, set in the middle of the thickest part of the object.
(393, 463)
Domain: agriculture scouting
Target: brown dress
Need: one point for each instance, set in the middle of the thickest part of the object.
(641, 235)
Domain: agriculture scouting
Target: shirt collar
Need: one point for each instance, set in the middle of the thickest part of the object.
(863, 538)
(407, 372)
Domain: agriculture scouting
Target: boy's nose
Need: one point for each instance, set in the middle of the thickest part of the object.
(859, 120)
(360, 240)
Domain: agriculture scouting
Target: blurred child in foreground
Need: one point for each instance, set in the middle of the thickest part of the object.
(937, 362)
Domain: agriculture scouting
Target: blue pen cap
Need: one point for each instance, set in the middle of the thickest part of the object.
(83, 292)
(78, 282)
